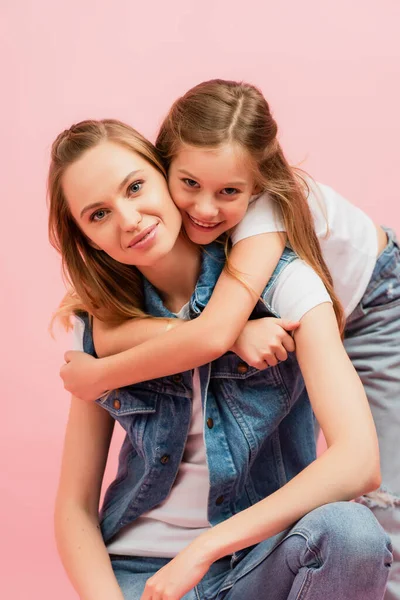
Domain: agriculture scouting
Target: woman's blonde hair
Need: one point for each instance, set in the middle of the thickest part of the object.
(99, 285)
(217, 112)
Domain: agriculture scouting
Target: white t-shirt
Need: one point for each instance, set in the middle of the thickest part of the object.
(176, 522)
(346, 234)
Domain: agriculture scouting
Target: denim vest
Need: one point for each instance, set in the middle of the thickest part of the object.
(258, 425)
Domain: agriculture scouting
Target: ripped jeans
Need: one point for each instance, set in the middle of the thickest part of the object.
(372, 341)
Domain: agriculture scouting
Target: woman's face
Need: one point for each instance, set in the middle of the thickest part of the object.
(212, 188)
(122, 204)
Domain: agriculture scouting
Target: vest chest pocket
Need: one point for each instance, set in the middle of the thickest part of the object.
(130, 400)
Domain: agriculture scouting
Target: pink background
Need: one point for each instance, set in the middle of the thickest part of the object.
(331, 73)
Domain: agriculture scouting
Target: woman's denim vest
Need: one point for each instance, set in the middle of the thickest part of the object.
(258, 425)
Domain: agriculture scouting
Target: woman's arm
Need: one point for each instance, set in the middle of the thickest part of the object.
(350, 465)
(348, 468)
(78, 535)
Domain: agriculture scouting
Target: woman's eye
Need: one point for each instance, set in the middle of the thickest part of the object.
(230, 191)
(190, 182)
(135, 187)
(98, 215)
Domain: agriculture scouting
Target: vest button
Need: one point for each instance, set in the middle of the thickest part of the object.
(219, 500)
(210, 423)
(117, 404)
(164, 459)
(242, 368)
(177, 378)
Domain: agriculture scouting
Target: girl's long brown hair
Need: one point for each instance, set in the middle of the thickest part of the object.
(217, 112)
(99, 285)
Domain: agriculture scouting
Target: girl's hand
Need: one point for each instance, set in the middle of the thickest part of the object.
(81, 375)
(179, 576)
(265, 342)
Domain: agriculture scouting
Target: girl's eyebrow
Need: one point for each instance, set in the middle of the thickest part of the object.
(120, 187)
(230, 184)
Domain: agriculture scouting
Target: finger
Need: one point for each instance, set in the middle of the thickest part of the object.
(271, 360)
(288, 343)
(289, 325)
(281, 353)
(68, 356)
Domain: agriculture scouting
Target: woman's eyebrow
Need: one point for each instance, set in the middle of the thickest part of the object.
(120, 187)
(127, 178)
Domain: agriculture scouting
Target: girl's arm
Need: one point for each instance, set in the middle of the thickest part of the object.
(78, 536)
(185, 347)
(348, 468)
(215, 330)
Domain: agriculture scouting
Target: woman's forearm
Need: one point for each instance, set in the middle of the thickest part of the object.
(341, 473)
(350, 466)
(84, 554)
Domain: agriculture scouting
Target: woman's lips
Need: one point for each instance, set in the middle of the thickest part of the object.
(143, 238)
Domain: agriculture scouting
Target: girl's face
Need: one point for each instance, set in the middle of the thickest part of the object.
(212, 189)
(122, 204)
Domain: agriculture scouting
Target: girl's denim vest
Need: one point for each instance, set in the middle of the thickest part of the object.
(258, 425)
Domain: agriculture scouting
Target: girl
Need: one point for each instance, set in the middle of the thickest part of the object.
(250, 471)
(214, 138)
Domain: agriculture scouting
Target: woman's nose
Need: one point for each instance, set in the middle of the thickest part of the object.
(129, 218)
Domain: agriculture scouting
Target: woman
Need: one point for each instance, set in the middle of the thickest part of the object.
(256, 472)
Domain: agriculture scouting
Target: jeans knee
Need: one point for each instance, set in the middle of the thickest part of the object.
(350, 531)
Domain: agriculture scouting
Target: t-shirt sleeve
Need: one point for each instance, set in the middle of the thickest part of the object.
(298, 290)
(77, 335)
(262, 216)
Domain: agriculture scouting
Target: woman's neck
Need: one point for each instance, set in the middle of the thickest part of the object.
(176, 274)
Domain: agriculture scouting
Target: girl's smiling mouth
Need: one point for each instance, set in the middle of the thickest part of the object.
(203, 225)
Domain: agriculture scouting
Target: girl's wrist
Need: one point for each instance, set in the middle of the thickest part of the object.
(106, 367)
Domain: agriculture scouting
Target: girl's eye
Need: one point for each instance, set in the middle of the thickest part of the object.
(230, 191)
(190, 182)
(99, 215)
(135, 187)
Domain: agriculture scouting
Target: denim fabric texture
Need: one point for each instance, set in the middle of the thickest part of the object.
(372, 341)
(262, 436)
(263, 432)
(336, 552)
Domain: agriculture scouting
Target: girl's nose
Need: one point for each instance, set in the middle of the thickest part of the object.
(206, 209)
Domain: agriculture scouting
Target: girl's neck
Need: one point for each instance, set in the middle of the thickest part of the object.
(176, 274)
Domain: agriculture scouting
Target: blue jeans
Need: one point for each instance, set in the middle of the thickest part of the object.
(372, 341)
(336, 552)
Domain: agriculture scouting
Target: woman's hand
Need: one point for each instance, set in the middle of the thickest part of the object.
(180, 575)
(82, 375)
(265, 342)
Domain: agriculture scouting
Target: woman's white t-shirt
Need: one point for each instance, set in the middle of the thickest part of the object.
(347, 237)
(173, 524)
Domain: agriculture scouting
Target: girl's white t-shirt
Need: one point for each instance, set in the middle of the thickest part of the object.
(347, 236)
(173, 524)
